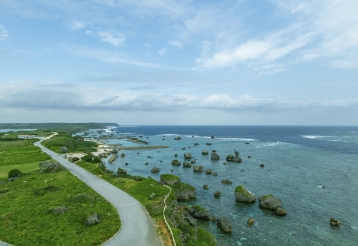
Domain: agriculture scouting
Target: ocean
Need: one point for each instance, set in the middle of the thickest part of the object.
(298, 161)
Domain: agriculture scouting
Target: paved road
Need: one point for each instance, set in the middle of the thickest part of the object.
(137, 227)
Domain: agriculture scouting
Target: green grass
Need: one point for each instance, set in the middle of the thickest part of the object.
(165, 177)
(20, 152)
(25, 168)
(26, 220)
(73, 144)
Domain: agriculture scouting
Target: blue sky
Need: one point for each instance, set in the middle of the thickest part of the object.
(137, 62)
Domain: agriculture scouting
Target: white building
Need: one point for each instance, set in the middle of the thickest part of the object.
(26, 136)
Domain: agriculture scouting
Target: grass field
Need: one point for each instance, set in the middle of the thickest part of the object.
(73, 144)
(26, 212)
(25, 168)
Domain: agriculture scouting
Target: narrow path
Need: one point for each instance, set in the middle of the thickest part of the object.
(137, 227)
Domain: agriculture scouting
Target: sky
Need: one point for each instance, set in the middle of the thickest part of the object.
(169, 62)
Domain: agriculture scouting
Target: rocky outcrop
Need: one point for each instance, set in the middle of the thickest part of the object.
(204, 152)
(335, 222)
(187, 156)
(280, 211)
(186, 164)
(177, 138)
(262, 165)
(226, 181)
(243, 195)
(217, 194)
(208, 171)
(169, 179)
(184, 191)
(155, 170)
(113, 158)
(198, 169)
(208, 143)
(199, 213)
(58, 210)
(250, 222)
(224, 224)
(64, 149)
(193, 161)
(205, 187)
(233, 158)
(215, 174)
(50, 167)
(215, 156)
(92, 219)
(123, 155)
(269, 202)
(176, 163)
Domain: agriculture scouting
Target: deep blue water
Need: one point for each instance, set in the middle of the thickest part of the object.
(298, 161)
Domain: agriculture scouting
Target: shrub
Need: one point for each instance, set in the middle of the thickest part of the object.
(14, 173)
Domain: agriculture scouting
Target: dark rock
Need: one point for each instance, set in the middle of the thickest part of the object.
(247, 143)
(250, 222)
(193, 161)
(226, 181)
(205, 187)
(215, 156)
(217, 194)
(186, 164)
(249, 156)
(177, 138)
(215, 174)
(224, 224)
(335, 222)
(212, 136)
(198, 168)
(204, 152)
(229, 157)
(126, 163)
(208, 171)
(199, 213)
(262, 165)
(176, 155)
(196, 144)
(270, 202)
(280, 211)
(123, 155)
(176, 163)
(183, 148)
(243, 195)
(208, 143)
(146, 163)
(224, 163)
(92, 219)
(155, 170)
(187, 156)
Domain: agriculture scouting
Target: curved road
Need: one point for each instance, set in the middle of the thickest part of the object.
(137, 227)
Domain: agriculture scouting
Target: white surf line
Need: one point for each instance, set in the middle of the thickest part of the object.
(165, 219)
(128, 204)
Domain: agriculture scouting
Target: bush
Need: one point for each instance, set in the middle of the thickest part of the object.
(14, 173)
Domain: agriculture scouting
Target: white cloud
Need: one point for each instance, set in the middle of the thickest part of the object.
(109, 56)
(3, 33)
(114, 38)
(176, 43)
(77, 25)
(162, 51)
(87, 98)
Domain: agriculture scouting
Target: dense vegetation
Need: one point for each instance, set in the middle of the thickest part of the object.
(73, 144)
(73, 127)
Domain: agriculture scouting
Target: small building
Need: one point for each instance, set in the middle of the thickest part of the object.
(26, 136)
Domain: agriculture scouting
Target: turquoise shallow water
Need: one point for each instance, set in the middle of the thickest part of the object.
(298, 160)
